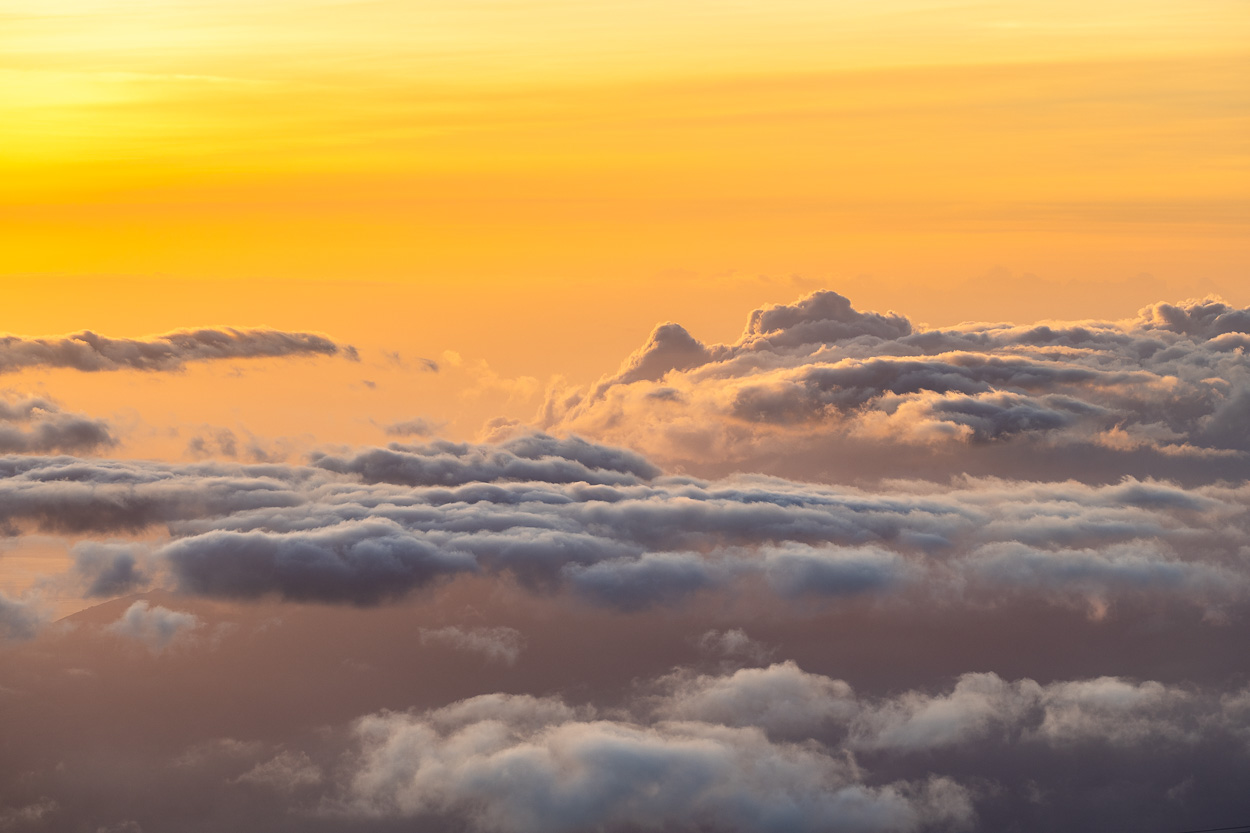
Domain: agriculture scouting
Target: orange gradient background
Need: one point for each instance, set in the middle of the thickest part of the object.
(532, 186)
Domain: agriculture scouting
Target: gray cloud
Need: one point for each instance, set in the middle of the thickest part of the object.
(601, 523)
(20, 618)
(90, 352)
(109, 569)
(37, 425)
(416, 427)
(528, 458)
(361, 562)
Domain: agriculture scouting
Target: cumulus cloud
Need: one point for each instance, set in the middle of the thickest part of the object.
(781, 699)
(155, 626)
(759, 749)
(37, 425)
(527, 764)
(980, 709)
(497, 644)
(818, 388)
(90, 352)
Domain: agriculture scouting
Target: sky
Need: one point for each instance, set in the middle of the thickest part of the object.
(532, 415)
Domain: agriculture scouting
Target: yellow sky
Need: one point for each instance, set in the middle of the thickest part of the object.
(581, 170)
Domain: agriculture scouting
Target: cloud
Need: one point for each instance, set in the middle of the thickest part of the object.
(18, 818)
(155, 626)
(37, 425)
(759, 749)
(20, 618)
(416, 427)
(566, 515)
(109, 569)
(781, 699)
(285, 772)
(529, 458)
(520, 764)
(733, 643)
(981, 709)
(220, 442)
(359, 562)
(90, 352)
(497, 644)
(819, 389)
(420, 363)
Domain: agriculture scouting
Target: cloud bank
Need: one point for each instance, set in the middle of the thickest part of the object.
(818, 388)
(601, 523)
(995, 578)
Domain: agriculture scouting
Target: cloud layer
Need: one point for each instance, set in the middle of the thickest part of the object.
(603, 524)
(994, 578)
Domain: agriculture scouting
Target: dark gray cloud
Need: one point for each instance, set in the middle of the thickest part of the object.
(361, 562)
(533, 457)
(109, 569)
(37, 425)
(73, 495)
(88, 351)
(819, 389)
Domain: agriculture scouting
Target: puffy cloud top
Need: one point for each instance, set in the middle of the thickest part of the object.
(819, 389)
(820, 318)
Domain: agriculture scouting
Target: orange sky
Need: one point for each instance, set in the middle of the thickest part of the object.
(503, 142)
(534, 185)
